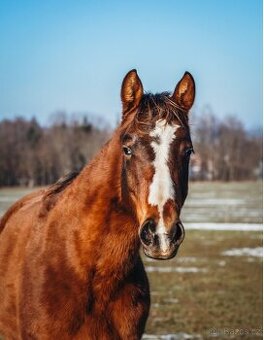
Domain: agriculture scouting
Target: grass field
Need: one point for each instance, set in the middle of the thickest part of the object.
(213, 288)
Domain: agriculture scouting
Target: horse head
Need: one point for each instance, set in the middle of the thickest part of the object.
(156, 145)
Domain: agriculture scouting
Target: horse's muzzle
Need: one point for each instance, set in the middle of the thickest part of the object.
(160, 243)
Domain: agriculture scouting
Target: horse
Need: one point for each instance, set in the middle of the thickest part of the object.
(70, 264)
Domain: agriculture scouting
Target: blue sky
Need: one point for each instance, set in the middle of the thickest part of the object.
(72, 55)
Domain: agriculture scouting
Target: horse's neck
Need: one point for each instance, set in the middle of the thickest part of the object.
(108, 229)
(101, 179)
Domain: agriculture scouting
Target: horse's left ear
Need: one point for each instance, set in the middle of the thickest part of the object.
(131, 91)
(184, 92)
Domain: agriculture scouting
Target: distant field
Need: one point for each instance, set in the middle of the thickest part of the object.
(213, 288)
(224, 202)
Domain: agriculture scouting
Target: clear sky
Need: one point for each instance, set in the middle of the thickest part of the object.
(72, 55)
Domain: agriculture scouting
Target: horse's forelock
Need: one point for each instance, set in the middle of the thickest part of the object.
(154, 107)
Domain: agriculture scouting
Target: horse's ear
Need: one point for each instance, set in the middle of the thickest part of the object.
(184, 92)
(131, 91)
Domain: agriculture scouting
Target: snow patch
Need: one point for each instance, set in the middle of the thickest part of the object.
(225, 226)
(255, 252)
(151, 269)
(177, 336)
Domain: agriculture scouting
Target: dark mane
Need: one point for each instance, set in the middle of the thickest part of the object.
(62, 183)
(52, 193)
(157, 106)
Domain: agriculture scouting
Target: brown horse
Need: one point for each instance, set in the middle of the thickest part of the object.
(69, 255)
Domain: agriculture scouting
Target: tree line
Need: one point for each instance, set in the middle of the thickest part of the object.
(225, 149)
(33, 155)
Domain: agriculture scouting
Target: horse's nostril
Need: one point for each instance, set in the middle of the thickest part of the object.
(177, 233)
(147, 232)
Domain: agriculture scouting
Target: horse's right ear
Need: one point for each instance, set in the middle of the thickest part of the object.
(131, 91)
(184, 93)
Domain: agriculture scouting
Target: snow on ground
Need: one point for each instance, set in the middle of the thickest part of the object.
(256, 252)
(178, 336)
(224, 226)
(215, 201)
(157, 269)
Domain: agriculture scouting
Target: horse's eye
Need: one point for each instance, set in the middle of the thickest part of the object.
(127, 151)
(189, 151)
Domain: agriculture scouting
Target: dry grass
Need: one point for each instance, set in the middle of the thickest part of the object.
(225, 294)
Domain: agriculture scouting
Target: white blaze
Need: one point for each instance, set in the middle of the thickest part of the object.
(161, 188)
